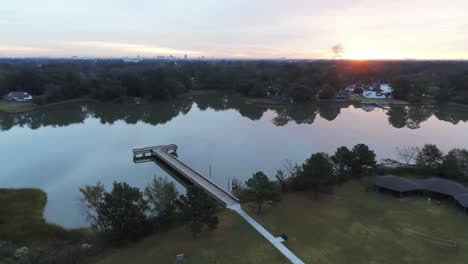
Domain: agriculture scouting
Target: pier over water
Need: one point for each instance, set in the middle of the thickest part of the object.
(165, 155)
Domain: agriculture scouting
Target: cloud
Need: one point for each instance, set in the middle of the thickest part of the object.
(23, 50)
(119, 47)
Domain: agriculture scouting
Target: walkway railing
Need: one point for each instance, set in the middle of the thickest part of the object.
(227, 199)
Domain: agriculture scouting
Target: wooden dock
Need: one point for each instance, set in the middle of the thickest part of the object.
(165, 156)
(163, 153)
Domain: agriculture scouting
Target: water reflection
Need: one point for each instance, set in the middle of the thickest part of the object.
(162, 112)
(65, 147)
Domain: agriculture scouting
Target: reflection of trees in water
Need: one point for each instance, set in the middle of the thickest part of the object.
(219, 103)
(251, 111)
(306, 113)
(451, 114)
(164, 111)
(397, 116)
(214, 102)
(409, 116)
(155, 113)
(299, 113)
(330, 111)
(417, 115)
(58, 116)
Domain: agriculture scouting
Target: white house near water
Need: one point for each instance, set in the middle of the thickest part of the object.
(384, 92)
(19, 97)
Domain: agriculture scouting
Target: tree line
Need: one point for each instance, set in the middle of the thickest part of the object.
(55, 80)
(429, 160)
(127, 213)
(318, 175)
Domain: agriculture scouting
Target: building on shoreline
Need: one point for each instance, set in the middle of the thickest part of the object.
(373, 91)
(436, 187)
(19, 97)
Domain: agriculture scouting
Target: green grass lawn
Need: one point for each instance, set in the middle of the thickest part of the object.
(234, 241)
(22, 222)
(354, 226)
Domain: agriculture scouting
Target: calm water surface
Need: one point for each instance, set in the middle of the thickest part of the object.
(63, 148)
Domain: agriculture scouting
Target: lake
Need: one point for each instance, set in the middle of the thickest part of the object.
(62, 148)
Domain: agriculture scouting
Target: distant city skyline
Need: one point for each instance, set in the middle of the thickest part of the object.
(263, 29)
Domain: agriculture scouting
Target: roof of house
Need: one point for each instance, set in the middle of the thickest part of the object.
(400, 184)
(443, 186)
(21, 95)
(462, 199)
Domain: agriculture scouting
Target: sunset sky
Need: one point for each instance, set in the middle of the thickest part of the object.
(366, 29)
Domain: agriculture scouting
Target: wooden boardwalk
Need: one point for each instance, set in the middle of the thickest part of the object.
(163, 154)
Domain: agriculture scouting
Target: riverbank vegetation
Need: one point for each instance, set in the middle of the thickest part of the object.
(22, 225)
(429, 160)
(320, 173)
(127, 214)
(56, 80)
(22, 221)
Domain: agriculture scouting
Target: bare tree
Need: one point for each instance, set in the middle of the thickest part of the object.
(161, 195)
(91, 199)
(407, 154)
(290, 169)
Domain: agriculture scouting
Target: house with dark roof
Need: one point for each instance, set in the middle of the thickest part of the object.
(395, 183)
(436, 186)
(19, 97)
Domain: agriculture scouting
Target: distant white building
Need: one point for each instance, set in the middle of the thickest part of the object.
(385, 90)
(131, 60)
(19, 97)
(373, 95)
(350, 88)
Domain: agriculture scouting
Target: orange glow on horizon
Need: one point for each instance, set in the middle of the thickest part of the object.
(372, 55)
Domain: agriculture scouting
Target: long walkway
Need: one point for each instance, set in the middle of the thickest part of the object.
(273, 240)
(224, 197)
(214, 190)
(161, 152)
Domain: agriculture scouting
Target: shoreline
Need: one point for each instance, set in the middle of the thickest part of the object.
(32, 107)
(8, 108)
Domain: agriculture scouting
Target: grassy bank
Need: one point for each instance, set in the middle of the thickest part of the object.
(386, 101)
(7, 107)
(15, 107)
(354, 226)
(234, 241)
(22, 221)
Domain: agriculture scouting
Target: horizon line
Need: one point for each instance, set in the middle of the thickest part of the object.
(204, 58)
